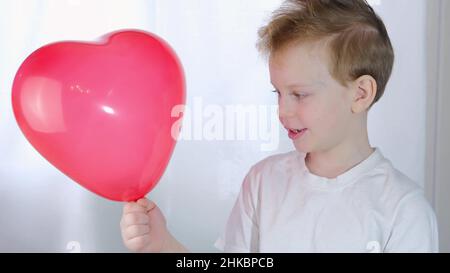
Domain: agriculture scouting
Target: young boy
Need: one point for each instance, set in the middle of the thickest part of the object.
(330, 61)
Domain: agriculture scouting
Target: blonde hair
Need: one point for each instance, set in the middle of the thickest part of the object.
(359, 43)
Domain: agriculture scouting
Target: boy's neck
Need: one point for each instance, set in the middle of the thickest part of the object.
(336, 161)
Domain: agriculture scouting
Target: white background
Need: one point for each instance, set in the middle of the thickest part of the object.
(42, 210)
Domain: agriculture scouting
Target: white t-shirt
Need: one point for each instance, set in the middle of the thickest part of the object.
(373, 207)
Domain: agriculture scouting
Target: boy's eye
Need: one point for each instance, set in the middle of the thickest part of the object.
(296, 95)
(299, 96)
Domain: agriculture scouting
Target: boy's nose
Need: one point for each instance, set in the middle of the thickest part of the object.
(284, 110)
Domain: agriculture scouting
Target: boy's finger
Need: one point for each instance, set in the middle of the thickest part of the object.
(142, 202)
(146, 203)
(133, 207)
(136, 231)
(134, 218)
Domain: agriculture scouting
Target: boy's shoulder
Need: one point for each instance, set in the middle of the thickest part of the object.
(397, 186)
(400, 179)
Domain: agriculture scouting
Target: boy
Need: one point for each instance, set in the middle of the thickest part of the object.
(330, 61)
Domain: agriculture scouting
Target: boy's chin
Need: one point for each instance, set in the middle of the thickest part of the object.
(302, 147)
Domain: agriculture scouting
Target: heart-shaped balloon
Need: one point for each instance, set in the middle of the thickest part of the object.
(101, 111)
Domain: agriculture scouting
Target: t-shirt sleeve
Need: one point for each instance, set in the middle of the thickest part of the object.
(414, 227)
(241, 230)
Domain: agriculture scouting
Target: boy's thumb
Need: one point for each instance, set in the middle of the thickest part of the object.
(149, 205)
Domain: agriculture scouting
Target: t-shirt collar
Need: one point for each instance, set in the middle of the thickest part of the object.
(345, 178)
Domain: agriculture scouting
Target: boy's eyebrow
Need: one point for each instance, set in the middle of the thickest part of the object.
(301, 85)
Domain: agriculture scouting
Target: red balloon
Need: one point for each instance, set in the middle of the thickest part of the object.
(100, 111)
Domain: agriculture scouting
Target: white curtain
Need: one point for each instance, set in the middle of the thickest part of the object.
(43, 210)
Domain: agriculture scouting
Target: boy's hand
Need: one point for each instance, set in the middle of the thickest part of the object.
(143, 227)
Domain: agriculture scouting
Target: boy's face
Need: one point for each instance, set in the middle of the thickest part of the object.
(310, 98)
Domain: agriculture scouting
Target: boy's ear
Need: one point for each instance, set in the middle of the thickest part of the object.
(365, 90)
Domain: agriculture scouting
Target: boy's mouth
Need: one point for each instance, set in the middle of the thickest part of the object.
(296, 133)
